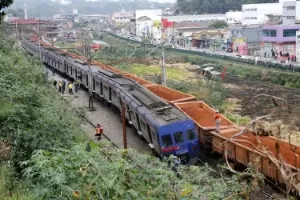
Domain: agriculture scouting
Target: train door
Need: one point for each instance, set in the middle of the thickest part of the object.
(94, 85)
(97, 90)
(101, 89)
(128, 114)
(135, 121)
(149, 135)
(105, 92)
(109, 94)
(115, 98)
(65, 66)
(87, 81)
(155, 142)
(144, 130)
(138, 124)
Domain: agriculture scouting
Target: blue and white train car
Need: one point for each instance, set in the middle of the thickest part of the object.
(166, 129)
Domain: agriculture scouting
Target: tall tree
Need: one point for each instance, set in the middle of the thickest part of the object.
(4, 4)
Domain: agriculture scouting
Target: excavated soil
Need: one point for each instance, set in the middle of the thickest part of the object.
(286, 109)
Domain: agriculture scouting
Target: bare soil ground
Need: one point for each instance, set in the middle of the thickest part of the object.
(246, 90)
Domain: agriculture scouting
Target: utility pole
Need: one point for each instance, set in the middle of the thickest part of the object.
(39, 39)
(163, 67)
(82, 43)
(17, 31)
(90, 86)
(124, 126)
(51, 33)
(126, 51)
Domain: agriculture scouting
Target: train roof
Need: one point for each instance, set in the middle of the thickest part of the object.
(148, 99)
(118, 78)
(154, 109)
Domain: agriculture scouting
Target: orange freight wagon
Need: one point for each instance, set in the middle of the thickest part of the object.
(246, 148)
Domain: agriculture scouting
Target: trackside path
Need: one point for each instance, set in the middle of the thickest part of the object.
(105, 115)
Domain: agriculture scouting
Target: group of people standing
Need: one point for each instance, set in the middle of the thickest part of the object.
(62, 86)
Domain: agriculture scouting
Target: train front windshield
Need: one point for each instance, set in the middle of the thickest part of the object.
(183, 144)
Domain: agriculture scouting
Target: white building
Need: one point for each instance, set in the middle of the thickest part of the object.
(122, 17)
(234, 17)
(145, 20)
(288, 12)
(257, 13)
(297, 17)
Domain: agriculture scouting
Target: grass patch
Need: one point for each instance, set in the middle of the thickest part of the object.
(10, 188)
(144, 70)
(237, 119)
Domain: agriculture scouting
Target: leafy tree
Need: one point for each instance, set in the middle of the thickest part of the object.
(4, 4)
(106, 173)
(32, 116)
(219, 24)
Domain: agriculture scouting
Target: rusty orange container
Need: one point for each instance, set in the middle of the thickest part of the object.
(170, 95)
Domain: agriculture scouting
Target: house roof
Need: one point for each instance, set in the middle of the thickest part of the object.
(26, 21)
(122, 14)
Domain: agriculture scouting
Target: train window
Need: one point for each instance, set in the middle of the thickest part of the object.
(179, 137)
(190, 134)
(167, 140)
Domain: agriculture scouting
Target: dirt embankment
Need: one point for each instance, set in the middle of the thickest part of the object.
(259, 99)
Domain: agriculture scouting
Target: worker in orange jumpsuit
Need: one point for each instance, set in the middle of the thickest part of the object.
(99, 131)
(217, 117)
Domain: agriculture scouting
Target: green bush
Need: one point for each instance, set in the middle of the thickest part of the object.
(33, 116)
(101, 173)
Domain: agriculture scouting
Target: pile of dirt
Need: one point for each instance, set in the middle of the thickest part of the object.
(274, 128)
(277, 129)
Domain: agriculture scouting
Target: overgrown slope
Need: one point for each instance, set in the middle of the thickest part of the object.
(50, 158)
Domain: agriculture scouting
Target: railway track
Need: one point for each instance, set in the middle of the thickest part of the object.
(263, 192)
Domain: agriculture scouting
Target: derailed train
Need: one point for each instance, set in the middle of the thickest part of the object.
(166, 129)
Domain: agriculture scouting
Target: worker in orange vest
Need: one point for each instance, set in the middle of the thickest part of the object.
(217, 117)
(99, 131)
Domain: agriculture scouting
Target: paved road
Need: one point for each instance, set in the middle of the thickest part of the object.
(105, 115)
(234, 54)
